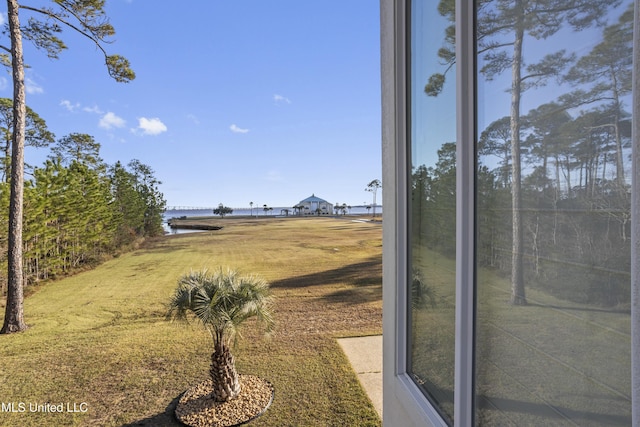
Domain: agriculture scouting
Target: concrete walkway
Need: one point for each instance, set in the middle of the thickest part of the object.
(365, 355)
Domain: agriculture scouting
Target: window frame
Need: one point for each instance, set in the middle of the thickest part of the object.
(403, 402)
(635, 224)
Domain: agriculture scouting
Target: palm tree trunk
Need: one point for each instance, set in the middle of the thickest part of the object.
(226, 384)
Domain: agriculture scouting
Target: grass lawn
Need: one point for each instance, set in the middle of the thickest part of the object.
(98, 342)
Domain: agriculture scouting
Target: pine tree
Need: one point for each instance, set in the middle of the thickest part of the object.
(88, 18)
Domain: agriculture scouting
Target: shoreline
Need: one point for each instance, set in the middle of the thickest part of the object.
(213, 223)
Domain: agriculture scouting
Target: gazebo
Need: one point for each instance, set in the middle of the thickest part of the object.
(314, 206)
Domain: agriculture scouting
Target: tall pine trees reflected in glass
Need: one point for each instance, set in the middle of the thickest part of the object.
(432, 201)
(553, 249)
(552, 210)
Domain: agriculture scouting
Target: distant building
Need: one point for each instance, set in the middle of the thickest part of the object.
(314, 206)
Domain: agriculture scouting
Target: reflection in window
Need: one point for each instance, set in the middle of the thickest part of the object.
(553, 213)
(431, 304)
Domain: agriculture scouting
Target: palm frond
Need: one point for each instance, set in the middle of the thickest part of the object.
(181, 302)
(222, 301)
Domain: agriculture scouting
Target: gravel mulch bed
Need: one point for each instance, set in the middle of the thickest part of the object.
(197, 409)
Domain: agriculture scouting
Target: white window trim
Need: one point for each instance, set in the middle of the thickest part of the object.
(404, 403)
(402, 397)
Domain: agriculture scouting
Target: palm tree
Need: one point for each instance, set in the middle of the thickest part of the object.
(222, 301)
(373, 188)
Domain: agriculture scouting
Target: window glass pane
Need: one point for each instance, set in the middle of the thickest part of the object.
(431, 280)
(553, 213)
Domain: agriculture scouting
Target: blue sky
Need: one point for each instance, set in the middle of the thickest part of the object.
(234, 102)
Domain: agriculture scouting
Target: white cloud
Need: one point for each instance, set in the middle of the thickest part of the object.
(73, 107)
(110, 121)
(4, 83)
(236, 129)
(153, 126)
(279, 99)
(3, 18)
(32, 87)
(69, 106)
(95, 109)
(193, 118)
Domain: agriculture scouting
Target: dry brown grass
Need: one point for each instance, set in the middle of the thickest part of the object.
(100, 337)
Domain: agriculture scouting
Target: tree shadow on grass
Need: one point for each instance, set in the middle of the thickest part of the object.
(363, 281)
(369, 271)
(160, 247)
(163, 419)
(362, 293)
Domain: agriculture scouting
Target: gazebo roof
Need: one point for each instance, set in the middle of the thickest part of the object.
(313, 198)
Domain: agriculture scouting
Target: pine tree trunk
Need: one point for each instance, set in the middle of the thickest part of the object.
(14, 312)
(226, 384)
(517, 276)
